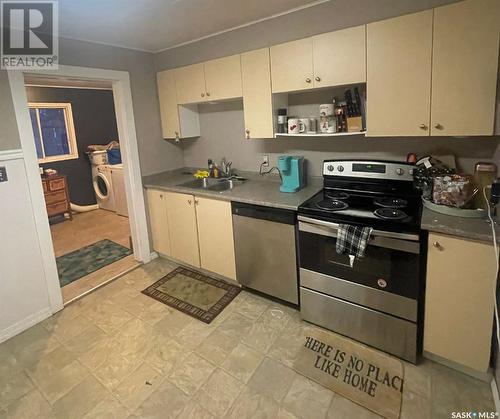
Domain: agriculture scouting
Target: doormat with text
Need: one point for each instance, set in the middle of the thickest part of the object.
(193, 293)
(366, 376)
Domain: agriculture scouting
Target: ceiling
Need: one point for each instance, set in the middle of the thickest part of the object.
(155, 25)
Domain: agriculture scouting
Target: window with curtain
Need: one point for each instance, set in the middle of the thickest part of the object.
(53, 131)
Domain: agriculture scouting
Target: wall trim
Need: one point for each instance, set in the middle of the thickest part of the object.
(15, 154)
(133, 182)
(25, 324)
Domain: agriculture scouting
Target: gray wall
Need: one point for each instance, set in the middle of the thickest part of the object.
(9, 135)
(222, 124)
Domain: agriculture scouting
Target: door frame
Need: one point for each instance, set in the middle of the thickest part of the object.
(122, 96)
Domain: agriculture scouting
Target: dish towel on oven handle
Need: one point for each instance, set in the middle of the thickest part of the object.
(352, 240)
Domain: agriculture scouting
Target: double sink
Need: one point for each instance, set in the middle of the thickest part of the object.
(215, 185)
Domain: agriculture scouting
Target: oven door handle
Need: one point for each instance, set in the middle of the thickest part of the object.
(335, 226)
(391, 241)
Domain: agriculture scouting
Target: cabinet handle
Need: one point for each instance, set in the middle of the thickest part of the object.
(317, 78)
(247, 132)
(423, 126)
(161, 196)
(308, 80)
(438, 126)
(208, 94)
(196, 202)
(437, 245)
(189, 201)
(203, 95)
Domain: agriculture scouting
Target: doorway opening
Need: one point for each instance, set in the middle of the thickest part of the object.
(103, 221)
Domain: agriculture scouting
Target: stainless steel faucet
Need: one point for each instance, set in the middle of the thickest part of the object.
(225, 167)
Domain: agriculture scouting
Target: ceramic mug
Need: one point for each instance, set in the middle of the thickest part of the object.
(303, 125)
(326, 109)
(312, 126)
(293, 126)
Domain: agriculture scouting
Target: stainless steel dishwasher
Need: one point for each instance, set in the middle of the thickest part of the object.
(265, 249)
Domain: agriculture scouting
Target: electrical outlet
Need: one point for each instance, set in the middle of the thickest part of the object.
(265, 160)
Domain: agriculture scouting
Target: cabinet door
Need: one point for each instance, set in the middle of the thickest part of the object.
(223, 78)
(159, 222)
(464, 67)
(257, 96)
(168, 104)
(183, 229)
(215, 232)
(292, 66)
(399, 75)
(340, 57)
(459, 301)
(190, 84)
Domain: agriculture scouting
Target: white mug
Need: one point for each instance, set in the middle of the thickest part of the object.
(326, 109)
(312, 125)
(303, 125)
(293, 126)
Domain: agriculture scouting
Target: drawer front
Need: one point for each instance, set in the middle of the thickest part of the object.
(57, 184)
(390, 334)
(53, 197)
(58, 208)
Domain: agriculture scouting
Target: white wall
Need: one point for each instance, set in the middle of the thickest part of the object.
(23, 290)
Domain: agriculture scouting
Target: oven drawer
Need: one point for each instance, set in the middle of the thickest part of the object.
(369, 297)
(382, 331)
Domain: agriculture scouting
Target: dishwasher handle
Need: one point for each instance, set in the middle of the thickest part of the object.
(260, 212)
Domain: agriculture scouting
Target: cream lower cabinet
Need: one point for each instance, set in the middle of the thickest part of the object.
(181, 215)
(398, 81)
(158, 221)
(459, 301)
(215, 236)
(464, 68)
(195, 230)
(257, 95)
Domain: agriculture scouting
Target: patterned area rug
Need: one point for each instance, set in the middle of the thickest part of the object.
(88, 259)
(193, 293)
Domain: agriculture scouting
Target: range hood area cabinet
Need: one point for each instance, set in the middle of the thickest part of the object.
(183, 227)
(330, 59)
(434, 72)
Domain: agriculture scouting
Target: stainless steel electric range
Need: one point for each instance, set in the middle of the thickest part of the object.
(378, 299)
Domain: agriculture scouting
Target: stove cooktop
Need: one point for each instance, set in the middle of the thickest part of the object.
(395, 213)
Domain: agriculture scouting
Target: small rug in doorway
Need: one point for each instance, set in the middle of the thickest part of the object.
(364, 375)
(88, 259)
(193, 293)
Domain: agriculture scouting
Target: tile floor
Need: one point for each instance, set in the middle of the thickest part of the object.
(119, 354)
(87, 228)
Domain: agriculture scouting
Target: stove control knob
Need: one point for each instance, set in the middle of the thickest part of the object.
(330, 168)
(340, 169)
(400, 171)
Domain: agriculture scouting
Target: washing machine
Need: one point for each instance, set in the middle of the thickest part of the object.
(103, 186)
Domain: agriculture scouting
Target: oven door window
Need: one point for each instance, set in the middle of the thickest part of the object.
(383, 268)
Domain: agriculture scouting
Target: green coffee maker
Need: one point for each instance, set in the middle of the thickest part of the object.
(293, 174)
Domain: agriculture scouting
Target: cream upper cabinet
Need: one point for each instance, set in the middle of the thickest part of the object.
(159, 222)
(399, 75)
(168, 104)
(464, 67)
(459, 301)
(257, 95)
(183, 229)
(340, 57)
(215, 233)
(190, 84)
(292, 66)
(223, 78)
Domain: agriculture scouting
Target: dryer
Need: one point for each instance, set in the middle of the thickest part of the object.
(103, 186)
